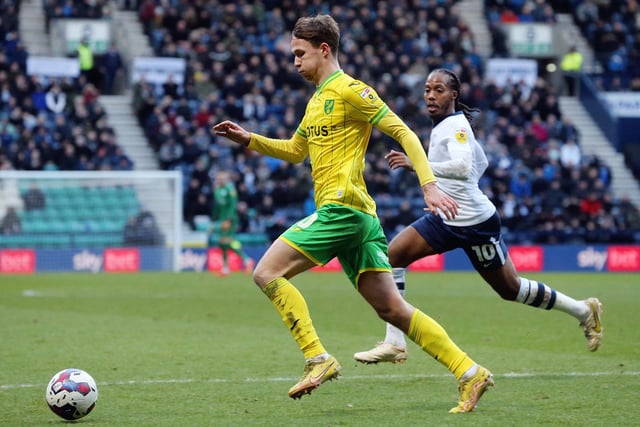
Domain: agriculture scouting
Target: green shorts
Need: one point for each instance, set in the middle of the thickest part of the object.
(355, 237)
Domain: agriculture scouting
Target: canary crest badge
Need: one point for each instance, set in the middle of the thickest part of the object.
(328, 106)
(461, 136)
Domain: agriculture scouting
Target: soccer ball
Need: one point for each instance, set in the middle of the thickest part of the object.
(72, 394)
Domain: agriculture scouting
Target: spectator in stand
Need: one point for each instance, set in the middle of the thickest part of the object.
(142, 230)
(586, 13)
(146, 15)
(553, 199)
(570, 155)
(183, 109)
(170, 88)
(617, 64)
(11, 223)
(591, 206)
(121, 161)
(520, 185)
(110, 65)
(571, 66)
(190, 150)
(539, 184)
(526, 13)
(203, 117)
(89, 94)
(86, 60)
(20, 88)
(569, 130)
(170, 154)
(539, 129)
(15, 50)
(509, 16)
(38, 96)
(34, 198)
(56, 99)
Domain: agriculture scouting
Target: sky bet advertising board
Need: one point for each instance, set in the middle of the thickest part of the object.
(561, 258)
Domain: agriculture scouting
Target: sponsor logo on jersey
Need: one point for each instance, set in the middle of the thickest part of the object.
(315, 131)
(461, 136)
(368, 95)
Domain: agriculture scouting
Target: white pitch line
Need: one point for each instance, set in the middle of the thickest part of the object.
(348, 378)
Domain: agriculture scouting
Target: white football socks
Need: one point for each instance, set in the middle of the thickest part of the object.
(395, 336)
(537, 294)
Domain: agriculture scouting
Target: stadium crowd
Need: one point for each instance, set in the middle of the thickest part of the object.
(239, 67)
(51, 124)
(611, 28)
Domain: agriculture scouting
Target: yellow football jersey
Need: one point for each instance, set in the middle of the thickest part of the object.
(335, 133)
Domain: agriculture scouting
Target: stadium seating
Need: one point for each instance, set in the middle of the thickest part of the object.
(77, 217)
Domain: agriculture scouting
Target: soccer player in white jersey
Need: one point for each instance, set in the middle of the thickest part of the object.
(458, 162)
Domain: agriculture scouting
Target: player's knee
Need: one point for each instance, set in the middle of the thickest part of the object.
(386, 315)
(260, 276)
(398, 257)
(391, 313)
(393, 259)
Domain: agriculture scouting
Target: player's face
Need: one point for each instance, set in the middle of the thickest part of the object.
(307, 58)
(221, 179)
(438, 96)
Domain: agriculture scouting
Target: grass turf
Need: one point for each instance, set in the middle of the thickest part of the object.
(193, 349)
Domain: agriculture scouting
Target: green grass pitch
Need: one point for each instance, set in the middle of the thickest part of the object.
(193, 349)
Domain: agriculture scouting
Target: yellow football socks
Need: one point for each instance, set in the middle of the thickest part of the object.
(433, 339)
(295, 314)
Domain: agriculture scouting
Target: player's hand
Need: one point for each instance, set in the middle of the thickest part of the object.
(396, 160)
(438, 202)
(232, 131)
(225, 225)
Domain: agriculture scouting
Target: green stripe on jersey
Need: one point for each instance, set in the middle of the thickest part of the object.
(379, 115)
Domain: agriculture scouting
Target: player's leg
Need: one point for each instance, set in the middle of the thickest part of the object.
(216, 239)
(225, 246)
(512, 287)
(366, 267)
(309, 242)
(411, 244)
(393, 348)
(227, 236)
(489, 256)
(247, 262)
(272, 274)
(378, 289)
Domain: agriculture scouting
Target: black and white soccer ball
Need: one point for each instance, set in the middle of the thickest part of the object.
(72, 393)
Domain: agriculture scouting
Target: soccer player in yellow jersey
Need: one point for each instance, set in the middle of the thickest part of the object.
(334, 133)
